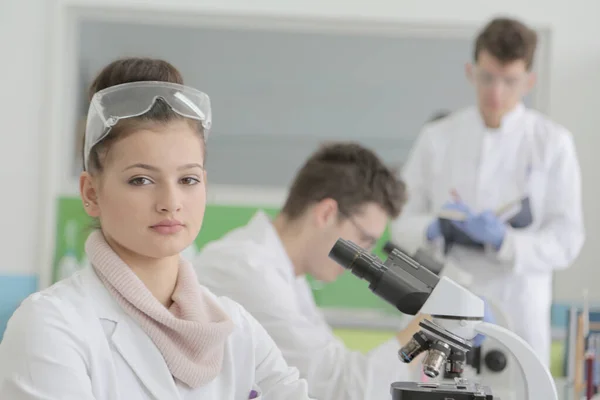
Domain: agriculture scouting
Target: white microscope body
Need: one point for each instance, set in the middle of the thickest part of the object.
(504, 375)
(459, 311)
(492, 365)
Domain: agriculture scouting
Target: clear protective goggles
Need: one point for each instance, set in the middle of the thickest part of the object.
(511, 83)
(129, 100)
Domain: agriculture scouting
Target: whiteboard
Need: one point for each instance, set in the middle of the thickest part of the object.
(278, 93)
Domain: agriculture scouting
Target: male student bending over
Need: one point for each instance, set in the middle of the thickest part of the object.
(344, 190)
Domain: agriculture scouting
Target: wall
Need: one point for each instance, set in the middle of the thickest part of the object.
(574, 83)
(319, 91)
(21, 113)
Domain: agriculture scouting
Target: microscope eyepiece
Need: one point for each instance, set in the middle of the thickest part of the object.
(388, 247)
(345, 253)
(401, 281)
(357, 260)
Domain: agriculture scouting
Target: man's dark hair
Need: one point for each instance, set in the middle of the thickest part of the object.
(507, 40)
(350, 174)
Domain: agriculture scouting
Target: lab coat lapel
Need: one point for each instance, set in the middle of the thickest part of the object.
(132, 343)
(261, 229)
(298, 286)
(145, 360)
(501, 162)
(465, 157)
(479, 164)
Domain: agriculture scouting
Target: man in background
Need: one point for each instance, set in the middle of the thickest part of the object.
(507, 179)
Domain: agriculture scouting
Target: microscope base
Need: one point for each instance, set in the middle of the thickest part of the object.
(439, 391)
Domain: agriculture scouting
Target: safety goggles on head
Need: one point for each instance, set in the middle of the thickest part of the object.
(128, 100)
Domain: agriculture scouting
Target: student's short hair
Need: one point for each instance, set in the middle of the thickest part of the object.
(350, 174)
(507, 40)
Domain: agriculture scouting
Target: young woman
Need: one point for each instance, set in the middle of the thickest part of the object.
(137, 325)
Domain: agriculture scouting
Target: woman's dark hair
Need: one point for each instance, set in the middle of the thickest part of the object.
(128, 70)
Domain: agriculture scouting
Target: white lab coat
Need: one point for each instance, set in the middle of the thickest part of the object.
(72, 341)
(251, 266)
(527, 155)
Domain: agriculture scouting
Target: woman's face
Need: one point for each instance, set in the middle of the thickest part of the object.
(151, 195)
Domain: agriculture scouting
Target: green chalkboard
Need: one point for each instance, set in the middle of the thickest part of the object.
(347, 292)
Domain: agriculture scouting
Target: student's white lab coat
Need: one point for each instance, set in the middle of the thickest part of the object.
(251, 266)
(527, 155)
(74, 342)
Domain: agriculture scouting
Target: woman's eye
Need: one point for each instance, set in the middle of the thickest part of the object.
(140, 181)
(189, 181)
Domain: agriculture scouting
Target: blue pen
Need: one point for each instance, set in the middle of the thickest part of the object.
(253, 394)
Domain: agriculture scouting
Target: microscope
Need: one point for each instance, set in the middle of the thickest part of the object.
(457, 317)
(489, 363)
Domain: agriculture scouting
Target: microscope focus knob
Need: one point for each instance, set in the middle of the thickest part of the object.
(495, 360)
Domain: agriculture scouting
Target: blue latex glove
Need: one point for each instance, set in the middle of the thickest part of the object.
(433, 230)
(487, 317)
(484, 228)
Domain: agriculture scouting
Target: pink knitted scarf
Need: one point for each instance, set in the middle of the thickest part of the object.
(190, 335)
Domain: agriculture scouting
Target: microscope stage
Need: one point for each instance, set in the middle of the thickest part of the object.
(435, 391)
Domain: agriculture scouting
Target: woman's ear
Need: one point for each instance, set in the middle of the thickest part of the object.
(89, 194)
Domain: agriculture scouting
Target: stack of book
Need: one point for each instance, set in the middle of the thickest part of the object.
(582, 354)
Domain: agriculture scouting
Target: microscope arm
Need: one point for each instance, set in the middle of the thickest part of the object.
(538, 380)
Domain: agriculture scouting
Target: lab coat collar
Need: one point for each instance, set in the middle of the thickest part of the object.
(136, 348)
(509, 121)
(261, 226)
